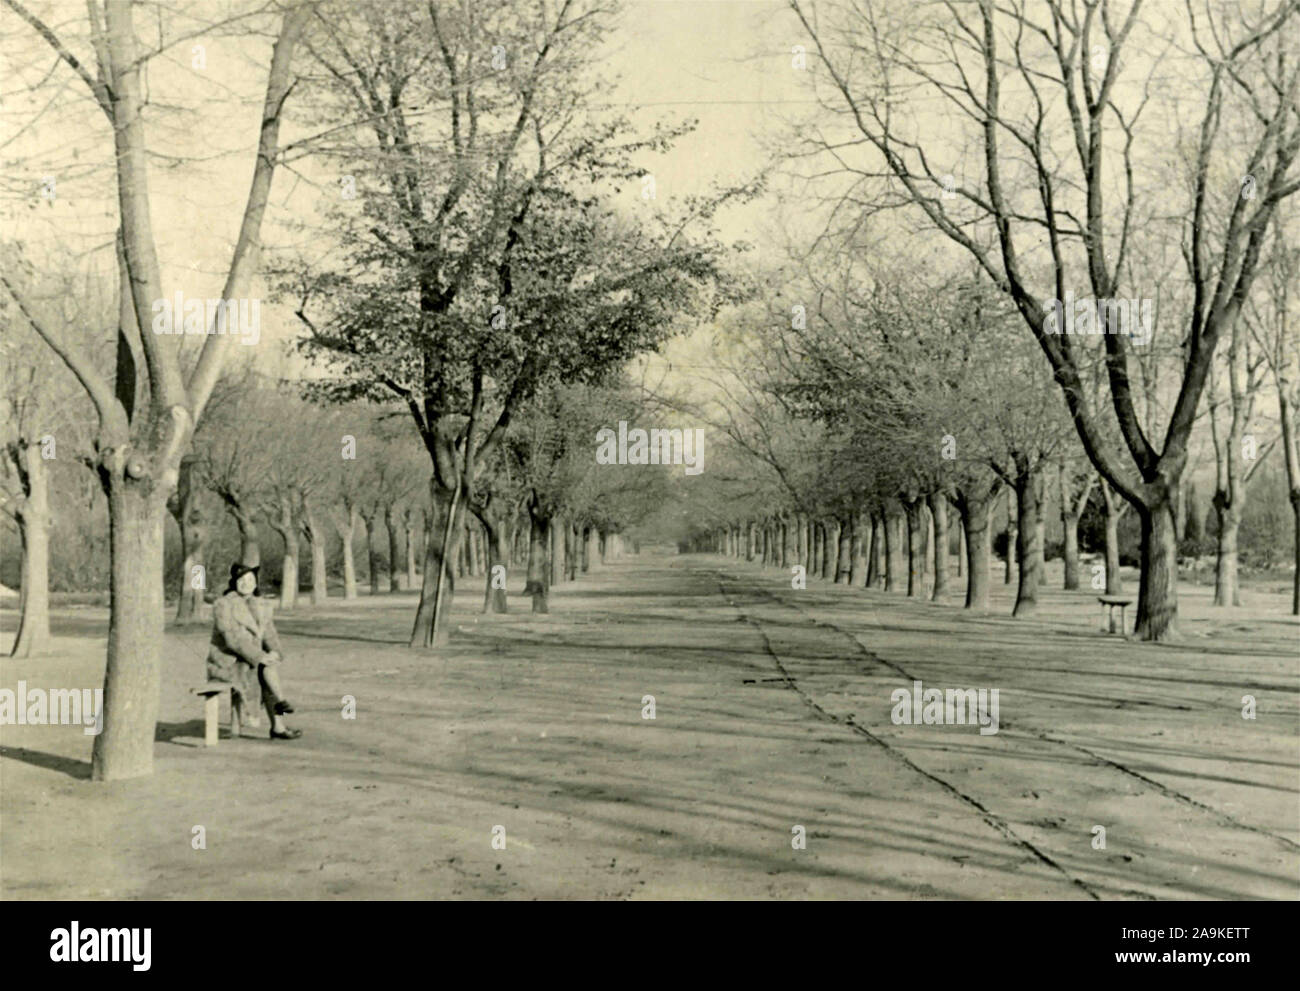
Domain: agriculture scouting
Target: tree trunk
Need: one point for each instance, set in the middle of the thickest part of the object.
(124, 749)
(927, 535)
(1012, 542)
(873, 551)
(409, 520)
(250, 552)
(539, 568)
(1027, 548)
(287, 525)
(1291, 460)
(938, 503)
(1228, 512)
(475, 555)
(33, 518)
(495, 600)
(975, 512)
(586, 549)
(316, 534)
(346, 530)
(372, 551)
(1070, 550)
(555, 551)
(915, 546)
(895, 552)
(851, 562)
(1295, 547)
(289, 573)
(1157, 608)
(1114, 581)
(194, 524)
(394, 549)
(442, 544)
(571, 553)
(961, 552)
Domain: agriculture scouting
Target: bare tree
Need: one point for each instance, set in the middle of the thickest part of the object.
(140, 443)
(1049, 201)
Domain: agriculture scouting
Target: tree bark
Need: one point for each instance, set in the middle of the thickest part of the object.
(1228, 513)
(33, 518)
(441, 546)
(539, 568)
(555, 548)
(915, 546)
(571, 552)
(394, 548)
(895, 552)
(961, 552)
(346, 531)
(1012, 542)
(938, 503)
(1295, 547)
(372, 549)
(1070, 550)
(874, 549)
(851, 562)
(475, 554)
(975, 507)
(1114, 581)
(495, 600)
(1157, 609)
(411, 520)
(1028, 552)
(1072, 509)
(250, 552)
(192, 519)
(316, 536)
(1291, 459)
(124, 749)
(287, 525)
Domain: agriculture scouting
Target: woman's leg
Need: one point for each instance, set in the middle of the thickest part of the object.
(270, 681)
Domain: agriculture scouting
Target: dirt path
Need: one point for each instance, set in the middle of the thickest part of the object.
(772, 711)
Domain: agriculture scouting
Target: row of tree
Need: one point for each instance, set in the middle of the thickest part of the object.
(463, 257)
(1034, 143)
(890, 405)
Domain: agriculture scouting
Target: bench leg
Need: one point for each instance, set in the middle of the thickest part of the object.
(211, 711)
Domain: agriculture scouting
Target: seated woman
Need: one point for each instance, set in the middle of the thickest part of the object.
(244, 641)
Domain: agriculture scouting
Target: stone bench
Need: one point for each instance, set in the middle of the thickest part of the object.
(1109, 603)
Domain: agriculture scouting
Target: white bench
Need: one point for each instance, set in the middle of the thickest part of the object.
(1109, 603)
(211, 694)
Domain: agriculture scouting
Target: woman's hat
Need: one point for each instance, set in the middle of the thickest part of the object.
(237, 571)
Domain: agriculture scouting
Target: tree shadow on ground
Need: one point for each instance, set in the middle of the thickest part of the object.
(171, 732)
(79, 769)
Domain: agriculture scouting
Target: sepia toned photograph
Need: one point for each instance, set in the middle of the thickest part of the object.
(650, 450)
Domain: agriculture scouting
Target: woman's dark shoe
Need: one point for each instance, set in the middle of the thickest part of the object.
(289, 734)
(283, 708)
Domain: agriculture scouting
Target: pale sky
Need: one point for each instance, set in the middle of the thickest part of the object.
(725, 62)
